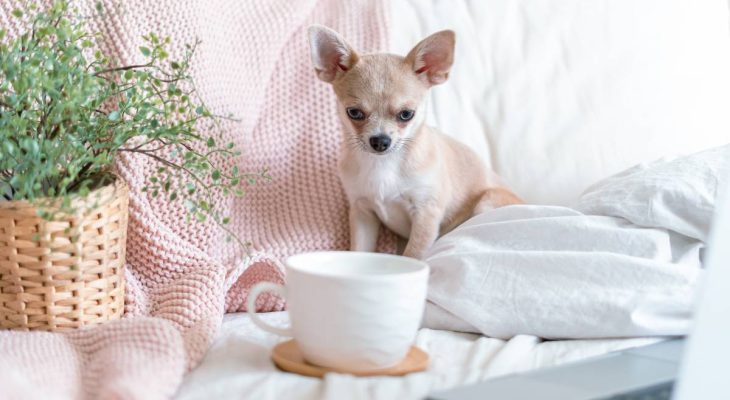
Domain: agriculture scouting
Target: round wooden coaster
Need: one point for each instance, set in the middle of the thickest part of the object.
(286, 356)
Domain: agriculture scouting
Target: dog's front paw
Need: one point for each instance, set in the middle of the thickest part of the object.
(418, 255)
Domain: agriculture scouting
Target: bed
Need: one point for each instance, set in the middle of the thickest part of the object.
(554, 96)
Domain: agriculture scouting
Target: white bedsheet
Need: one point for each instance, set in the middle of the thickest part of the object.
(237, 365)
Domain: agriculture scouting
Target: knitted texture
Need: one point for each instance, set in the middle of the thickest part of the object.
(254, 63)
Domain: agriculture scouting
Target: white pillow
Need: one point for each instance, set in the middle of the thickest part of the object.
(678, 193)
(556, 95)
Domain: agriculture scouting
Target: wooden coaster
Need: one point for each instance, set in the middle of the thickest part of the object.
(287, 357)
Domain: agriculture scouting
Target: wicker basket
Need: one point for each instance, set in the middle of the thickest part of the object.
(66, 273)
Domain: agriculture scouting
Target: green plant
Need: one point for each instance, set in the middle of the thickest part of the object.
(67, 111)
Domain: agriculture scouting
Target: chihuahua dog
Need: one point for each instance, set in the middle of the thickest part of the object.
(395, 169)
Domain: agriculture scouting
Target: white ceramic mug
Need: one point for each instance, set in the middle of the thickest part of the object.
(350, 311)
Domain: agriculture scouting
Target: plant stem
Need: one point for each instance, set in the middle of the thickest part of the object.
(124, 68)
(169, 164)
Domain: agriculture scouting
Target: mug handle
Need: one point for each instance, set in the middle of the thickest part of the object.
(251, 307)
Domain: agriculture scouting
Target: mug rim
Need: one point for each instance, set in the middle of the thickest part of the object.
(420, 267)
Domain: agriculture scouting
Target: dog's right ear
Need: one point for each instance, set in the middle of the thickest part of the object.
(331, 55)
(432, 58)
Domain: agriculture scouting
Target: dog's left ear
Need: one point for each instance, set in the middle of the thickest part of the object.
(432, 58)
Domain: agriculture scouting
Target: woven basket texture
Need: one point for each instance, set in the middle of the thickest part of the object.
(66, 272)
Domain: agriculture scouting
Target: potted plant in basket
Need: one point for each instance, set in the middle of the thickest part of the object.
(66, 113)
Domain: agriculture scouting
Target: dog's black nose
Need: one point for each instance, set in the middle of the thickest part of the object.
(380, 143)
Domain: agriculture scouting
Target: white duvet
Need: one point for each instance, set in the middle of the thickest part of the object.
(624, 263)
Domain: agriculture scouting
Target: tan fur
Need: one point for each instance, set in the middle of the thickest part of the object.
(426, 183)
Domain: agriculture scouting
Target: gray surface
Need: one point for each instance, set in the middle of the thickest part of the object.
(589, 379)
(610, 375)
(670, 350)
(513, 388)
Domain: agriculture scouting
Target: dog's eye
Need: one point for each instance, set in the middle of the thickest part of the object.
(406, 115)
(355, 113)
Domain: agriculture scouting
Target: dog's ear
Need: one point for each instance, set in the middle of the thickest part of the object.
(331, 55)
(432, 58)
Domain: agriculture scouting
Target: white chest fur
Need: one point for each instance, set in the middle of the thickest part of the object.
(379, 183)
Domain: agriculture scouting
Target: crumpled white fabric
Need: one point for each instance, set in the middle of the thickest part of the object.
(238, 365)
(674, 193)
(624, 263)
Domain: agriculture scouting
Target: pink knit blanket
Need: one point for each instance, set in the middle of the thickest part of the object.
(253, 62)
